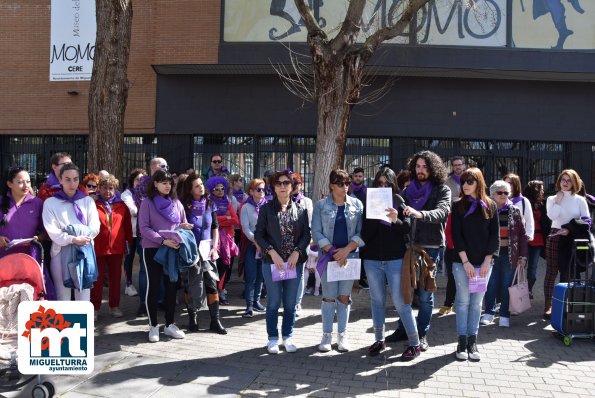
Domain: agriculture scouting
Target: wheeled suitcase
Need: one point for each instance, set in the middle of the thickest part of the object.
(573, 306)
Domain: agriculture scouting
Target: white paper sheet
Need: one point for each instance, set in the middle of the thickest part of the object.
(377, 201)
(351, 271)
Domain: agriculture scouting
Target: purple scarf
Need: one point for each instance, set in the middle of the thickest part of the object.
(166, 207)
(268, 192)
(297, 197)
(505, 208)
(52, 181)
(222, 172)
(107, 204)
(456, 178)
(517, 199)
(418, 194)
(77, 195)
(258, 205)
(474, 203)
(323, 259)
(353, 187)
(222, 204)
(197, 207)
(239, 195)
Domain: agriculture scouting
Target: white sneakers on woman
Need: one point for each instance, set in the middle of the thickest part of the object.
(342, 343)
(325, 344)
(154, 334)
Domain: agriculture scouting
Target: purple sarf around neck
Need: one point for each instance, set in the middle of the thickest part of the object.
(474, 203)
(258, 205)
(167, 208)
(505, 208)
(456, 178)
(239, 195)
(297, 197)
(197, 207)
(52, 181)
(108, 203)
(517, 199)
(221, 204)
(418, 194)
(353, 187)
(77, 210)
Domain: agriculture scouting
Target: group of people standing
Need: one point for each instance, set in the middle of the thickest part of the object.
(189, 229)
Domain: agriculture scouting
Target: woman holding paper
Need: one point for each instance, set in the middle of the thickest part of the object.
(476, 238)
(252, 258)
(161, 210)
(203, 217)
(513, 254)
(336, 227)
(283, 233)
(383, 261)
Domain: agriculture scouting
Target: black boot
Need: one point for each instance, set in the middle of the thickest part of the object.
(461, 353)
(472, 351)
(215, 324)
(192, 320)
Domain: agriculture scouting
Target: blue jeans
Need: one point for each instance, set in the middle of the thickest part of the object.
(332, 291)
(532, 261)
(426, 299)
(252, 277)
(380, 273)
(500, 281)
(467, 305)
(277, 292)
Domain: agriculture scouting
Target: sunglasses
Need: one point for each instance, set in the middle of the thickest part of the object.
(91, 186)
(217, 161)
(259, 189)
(341, 184)
(164, 166)
(501, 193)
(470, 181)
(284, 183)
(218, 189)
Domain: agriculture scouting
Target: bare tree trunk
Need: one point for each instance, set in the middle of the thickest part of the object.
(108, 93)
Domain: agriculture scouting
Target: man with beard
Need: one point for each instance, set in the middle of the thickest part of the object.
(428, 203)
(357, 188)
(454, 180)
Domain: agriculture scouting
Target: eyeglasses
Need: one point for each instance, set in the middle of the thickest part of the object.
(341, 184)
(218, 189)
(470, 181)
(217, 161)
(284, 183)
(566, 180)
(501, 193)
(164, 166)
(91, 186)
(259, 189)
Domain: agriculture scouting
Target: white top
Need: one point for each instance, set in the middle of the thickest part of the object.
(527, 217)
(59, 214)
(129, 200)
(571, 207)
(248, 218)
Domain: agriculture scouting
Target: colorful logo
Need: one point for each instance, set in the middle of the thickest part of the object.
(56, 337)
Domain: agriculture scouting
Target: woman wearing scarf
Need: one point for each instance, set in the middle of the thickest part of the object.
(522, 203)
(203, 217)
(252, 259)
(160, 211)
(69, 206)
(336, 228)
(513, 254)
(383, 260)
(562, 207)
(476, 238)
(283, 234)
(227, 219)
(298, 197)
(115, 237)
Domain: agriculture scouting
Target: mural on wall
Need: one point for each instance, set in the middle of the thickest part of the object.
(556, 24)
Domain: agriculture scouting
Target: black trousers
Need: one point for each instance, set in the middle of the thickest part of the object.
(154, 275)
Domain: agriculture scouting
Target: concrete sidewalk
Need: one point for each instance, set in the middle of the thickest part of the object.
(523, 360)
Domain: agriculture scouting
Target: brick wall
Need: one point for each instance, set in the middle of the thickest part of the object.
(163, 32)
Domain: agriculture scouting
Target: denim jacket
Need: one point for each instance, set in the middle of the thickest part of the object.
(323, 220)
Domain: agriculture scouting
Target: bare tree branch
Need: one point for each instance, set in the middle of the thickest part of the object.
(349, 28)
(309, 20)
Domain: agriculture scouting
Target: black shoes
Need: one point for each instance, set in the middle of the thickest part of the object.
(376, 348)
(398, 335)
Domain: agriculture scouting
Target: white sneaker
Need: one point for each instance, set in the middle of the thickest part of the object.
(298, 310)
(487, 319)
(154, 334)
(289, 345)
(173, 331)
(130, 291)
(116, 312)
(325, 344)
(273, 346)
(504, 322)
(343, 343)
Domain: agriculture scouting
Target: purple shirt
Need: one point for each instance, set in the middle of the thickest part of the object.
(150, 222)
(24, 221)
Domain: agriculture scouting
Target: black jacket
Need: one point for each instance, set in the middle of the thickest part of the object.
(268, 232)
(428, 231)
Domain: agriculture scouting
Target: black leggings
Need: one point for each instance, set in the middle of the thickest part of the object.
(154, 275)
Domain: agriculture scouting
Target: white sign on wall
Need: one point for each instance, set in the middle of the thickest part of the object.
(72, 45)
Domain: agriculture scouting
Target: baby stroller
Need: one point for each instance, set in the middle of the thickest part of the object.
(21, 278)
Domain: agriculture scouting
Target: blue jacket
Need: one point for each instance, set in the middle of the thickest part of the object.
(323, 220)
(176, 260)
(79, 265)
